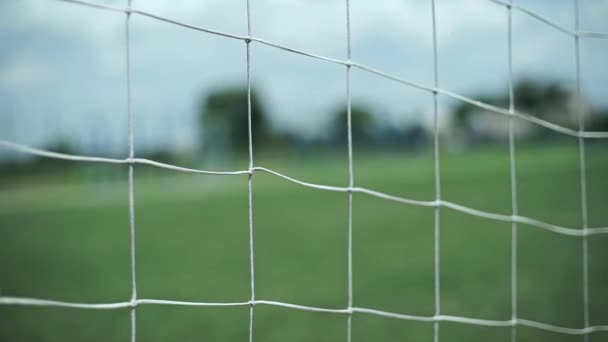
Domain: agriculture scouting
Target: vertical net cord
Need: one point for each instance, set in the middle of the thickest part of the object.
(437, 175)
(131, 186)
(249, 178)
(583, 176)
(514, 206)
(351, 180)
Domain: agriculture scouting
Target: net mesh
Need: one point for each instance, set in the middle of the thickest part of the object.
(584, 231)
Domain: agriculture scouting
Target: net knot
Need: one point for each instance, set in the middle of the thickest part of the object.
(248, 39)
(133, 303)
(251, 303)
(348, 63)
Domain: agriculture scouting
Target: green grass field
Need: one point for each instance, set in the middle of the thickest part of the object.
(67, 239)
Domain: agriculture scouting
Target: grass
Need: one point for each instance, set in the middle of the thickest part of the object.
(66, 239)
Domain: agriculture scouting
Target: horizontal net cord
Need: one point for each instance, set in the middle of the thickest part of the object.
(551, 23)
(97, 6)
(441, 203)
(55, 155)
(495, 109)
(532, 14)
(24, 301)
(491, 108)
(106, 306)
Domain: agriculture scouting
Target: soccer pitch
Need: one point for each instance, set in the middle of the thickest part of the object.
(70, 241)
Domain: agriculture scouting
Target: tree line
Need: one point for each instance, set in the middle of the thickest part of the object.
(223, 126)
(223, 121)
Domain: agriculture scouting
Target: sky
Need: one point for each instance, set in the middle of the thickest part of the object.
(63, 69)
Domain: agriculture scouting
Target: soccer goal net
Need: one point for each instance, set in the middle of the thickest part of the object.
(582, 231)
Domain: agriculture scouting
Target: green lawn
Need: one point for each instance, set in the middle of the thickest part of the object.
(67, 239)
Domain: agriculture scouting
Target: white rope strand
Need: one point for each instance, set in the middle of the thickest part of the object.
(185, 169)
(188, 26)
(55, 155)
(49, 154)
(56, 303)
(95, 5)
(454, 206)
(532, 14)
(512, 172)
(583, 171)
(131, 185)
(457, 207)
(250, 175)
(351, 181)
(437, 216)
(548, 22)
(587, 34)
(22, 301)
(491, 108)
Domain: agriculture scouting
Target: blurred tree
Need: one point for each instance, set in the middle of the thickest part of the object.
(545, 100)
(59, 146)
(363, 124)
(598, 121)
(548, 100)
(223, 120)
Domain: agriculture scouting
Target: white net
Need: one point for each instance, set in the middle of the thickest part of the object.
(582, 232)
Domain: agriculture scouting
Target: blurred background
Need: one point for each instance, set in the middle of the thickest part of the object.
(64, 225)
